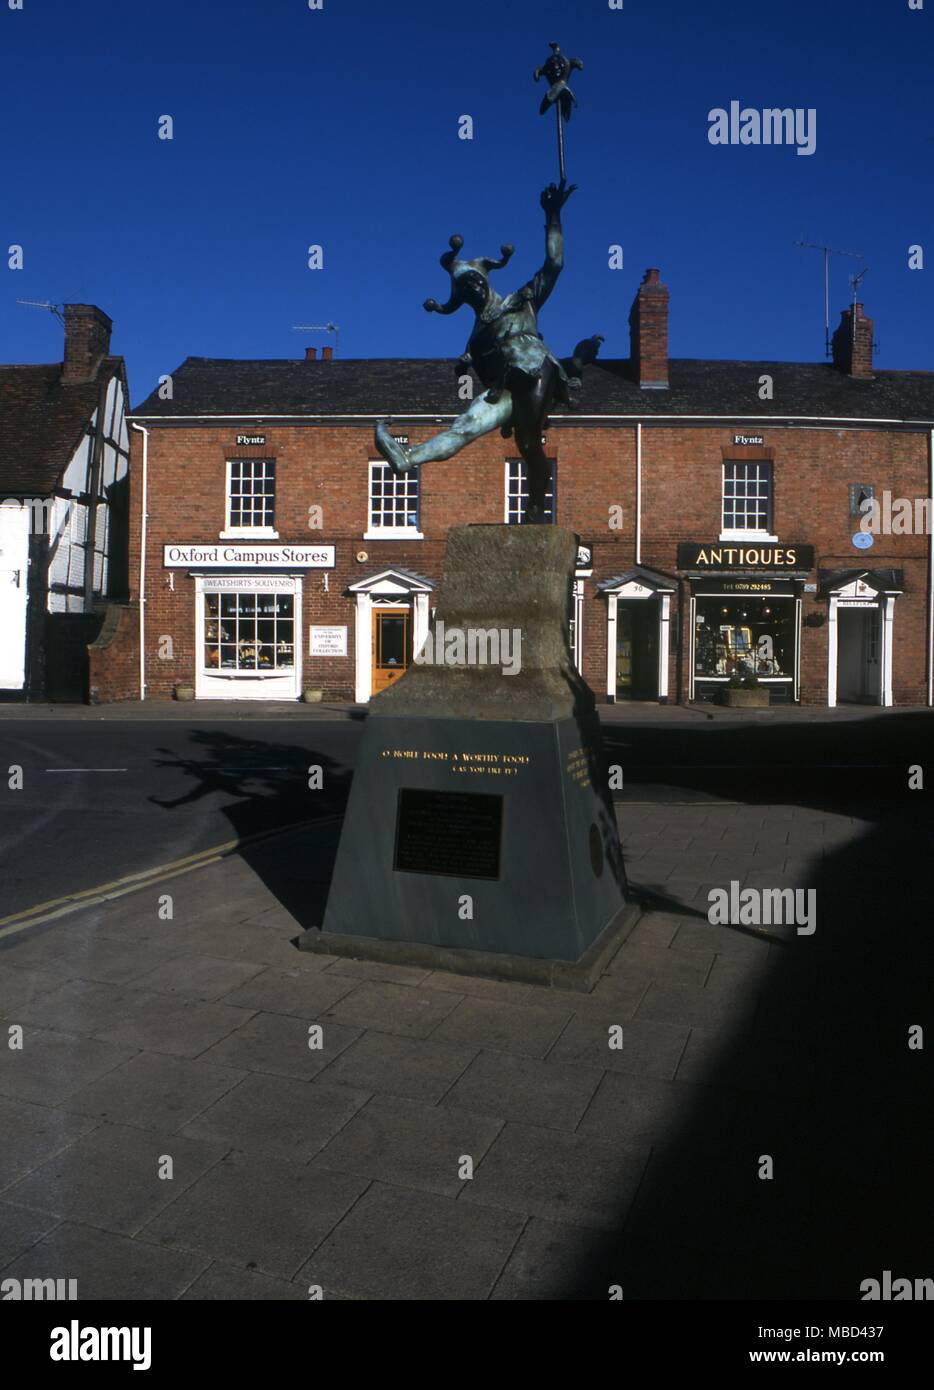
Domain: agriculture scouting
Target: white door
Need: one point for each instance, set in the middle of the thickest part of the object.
(14, 560)
(858, 646)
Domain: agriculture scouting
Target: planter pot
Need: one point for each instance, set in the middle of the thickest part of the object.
(312, 697)
(184, 692)
(757, 698)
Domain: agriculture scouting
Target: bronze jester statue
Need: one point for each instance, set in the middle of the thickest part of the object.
(522, 377)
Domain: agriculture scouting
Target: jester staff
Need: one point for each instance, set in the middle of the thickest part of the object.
(558, 69)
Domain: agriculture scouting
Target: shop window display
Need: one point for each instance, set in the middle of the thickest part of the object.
(249, 632)
(753, 636)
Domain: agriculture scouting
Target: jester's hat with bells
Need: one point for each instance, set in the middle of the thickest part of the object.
(457, 268)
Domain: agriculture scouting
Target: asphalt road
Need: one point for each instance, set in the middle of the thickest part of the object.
(107, 798)
(102, 800)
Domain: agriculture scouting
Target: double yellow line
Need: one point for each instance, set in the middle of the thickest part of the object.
(132, 883)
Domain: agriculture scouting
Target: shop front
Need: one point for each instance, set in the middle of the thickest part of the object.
(745, 622)
(248, 637)
(248, 615)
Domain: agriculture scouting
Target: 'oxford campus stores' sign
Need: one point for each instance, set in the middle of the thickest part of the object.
(775, 559)
(207, 555)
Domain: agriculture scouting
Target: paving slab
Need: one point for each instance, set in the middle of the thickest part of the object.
(32, 1133)
(644, 1110)
(507, 991)
(400, 1244)
(21, 986)
(295, 991)
(695, 1005)
(549, 1094)
(52, 1065)
(154, 1092)
(419, 1069)
(84, 1006)
(555, 1261)
(279, 1044)
(529, 1032)
(227, 1283)
(175, 1026)
(257, 1211)
(389, 1008)
(646, 1047)
(20, 1228)
(74, 954)
(561, 1177)
(106, 1266)
(377, 970)
(200, 977)
(79, 1183)
(406, 1144)
(279, 1116)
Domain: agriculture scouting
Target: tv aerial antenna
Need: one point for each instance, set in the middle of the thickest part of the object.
(55, 309)
(320, 328)
(856, 280)
(828, 252)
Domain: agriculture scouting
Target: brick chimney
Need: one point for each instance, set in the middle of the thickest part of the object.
(648, 333)
(852, 343)
(87, 340)
(326, 354)
(311, 354)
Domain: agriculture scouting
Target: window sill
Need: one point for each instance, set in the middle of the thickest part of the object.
(287, 672)
(250, 533)
(394, 533)
(748, 536)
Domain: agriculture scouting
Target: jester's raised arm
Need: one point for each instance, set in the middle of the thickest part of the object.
(553, 199)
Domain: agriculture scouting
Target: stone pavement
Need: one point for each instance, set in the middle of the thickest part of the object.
(171, 1129)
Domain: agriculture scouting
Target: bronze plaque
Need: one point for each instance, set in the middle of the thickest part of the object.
(451, 834)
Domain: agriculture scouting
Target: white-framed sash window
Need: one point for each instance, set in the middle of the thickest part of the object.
(746, 512)
(251, 499)
(393, 504)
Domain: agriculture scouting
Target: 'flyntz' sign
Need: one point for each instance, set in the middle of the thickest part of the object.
(744, 556)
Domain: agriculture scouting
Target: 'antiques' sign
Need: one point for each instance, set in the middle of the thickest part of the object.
(209, 556)
(744, 556)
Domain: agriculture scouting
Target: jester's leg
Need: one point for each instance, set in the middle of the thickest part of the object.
(478, 419)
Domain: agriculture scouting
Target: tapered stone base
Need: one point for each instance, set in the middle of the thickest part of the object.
(479, 821)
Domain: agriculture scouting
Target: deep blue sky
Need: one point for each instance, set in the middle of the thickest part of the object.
(339, 127)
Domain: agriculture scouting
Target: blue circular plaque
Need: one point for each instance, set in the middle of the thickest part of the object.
(862, 540)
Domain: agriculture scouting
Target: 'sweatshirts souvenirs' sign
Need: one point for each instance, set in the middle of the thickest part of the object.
(207, 555)
(744, 555)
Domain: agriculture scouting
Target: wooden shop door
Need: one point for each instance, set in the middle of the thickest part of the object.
(391, 648)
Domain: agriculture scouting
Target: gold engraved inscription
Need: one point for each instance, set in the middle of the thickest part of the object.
(477, 764)
(578, 767)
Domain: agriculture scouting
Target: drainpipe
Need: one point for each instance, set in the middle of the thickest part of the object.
(142, 561)
(639, 493)
(931, 572)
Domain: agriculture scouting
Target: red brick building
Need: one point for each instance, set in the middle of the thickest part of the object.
(716, 502)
